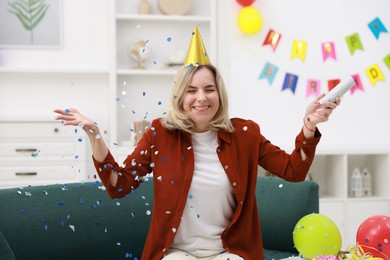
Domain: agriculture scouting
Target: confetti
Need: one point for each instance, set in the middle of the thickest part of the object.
(159, 178)
(280, 185)
(73, 228)
(148, 212)
(124, 92)
(174, 230)
(35, 153)
(67, 110)
(124, 83)
(245, 128)
(159, 103)
(169, 39)
(190, 196)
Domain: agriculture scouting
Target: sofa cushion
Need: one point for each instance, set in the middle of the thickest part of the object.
(5, 250)
(281, 205)
(75, 221)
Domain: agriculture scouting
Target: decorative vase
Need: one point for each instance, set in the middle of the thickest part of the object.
(144, 7)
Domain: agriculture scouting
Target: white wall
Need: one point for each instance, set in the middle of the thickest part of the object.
(85, 48)
(361, 121)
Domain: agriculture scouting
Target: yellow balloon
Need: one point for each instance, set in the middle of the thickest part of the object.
(250, 20)
(316, 235)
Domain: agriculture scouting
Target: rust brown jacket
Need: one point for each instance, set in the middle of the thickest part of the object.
(169, 155)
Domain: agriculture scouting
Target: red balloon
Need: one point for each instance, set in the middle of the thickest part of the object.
(373, 236)
(245, 2)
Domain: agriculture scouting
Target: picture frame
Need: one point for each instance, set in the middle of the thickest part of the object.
(28, 24)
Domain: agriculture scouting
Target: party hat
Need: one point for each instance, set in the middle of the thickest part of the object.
(197, 54)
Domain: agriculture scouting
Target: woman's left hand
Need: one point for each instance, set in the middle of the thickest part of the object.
(317, 113)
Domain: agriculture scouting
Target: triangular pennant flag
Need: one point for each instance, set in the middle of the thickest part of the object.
(272, 39)
(290, 82)
(299, 50)
(269, 72)
(328, 51)
(354, 43)
(313, 87)
(377, 27)
(358, 84)
(374, 73)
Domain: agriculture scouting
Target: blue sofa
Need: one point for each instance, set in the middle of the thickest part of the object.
(80, 221)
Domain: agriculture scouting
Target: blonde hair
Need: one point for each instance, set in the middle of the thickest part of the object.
(178, 118)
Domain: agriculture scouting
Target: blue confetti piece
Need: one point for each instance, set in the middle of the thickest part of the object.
(144, 93)
(46, 227)
(133, 111)
(164, 159)
(35, 153)
(117, 99)
(22, 210)
(159, 103)
(76, 156)
(169, 39)
(67, 110)
(80, 139)
(68, 216)
(190, 196)
(155, 63)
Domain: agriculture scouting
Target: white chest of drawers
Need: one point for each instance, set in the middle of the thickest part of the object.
(40, 152)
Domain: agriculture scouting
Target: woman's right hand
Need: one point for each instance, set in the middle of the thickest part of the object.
(73, 117)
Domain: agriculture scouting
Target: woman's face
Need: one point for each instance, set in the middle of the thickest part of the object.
(202, 99)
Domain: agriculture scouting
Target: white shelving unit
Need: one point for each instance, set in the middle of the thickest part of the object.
(332, 170)
(144, 94)
(39, 152)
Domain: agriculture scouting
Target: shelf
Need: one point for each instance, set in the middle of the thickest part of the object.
(146, 72)
(55, 70)
(161, 18)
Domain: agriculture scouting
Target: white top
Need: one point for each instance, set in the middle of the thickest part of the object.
(210, 203)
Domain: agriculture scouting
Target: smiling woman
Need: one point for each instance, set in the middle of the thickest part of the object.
(204, 165)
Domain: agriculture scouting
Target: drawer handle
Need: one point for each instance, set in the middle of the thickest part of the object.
(26, 173)
(26, 150)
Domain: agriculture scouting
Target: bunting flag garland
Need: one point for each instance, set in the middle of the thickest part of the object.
(358, 85)
(290, 82)
(328, 50)
(272, 39)
(386, 60)
(333, 83)
(313, 87)
(354, 43)
(269, 72)
(374, 73)
(299, 50)
(377, 27)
